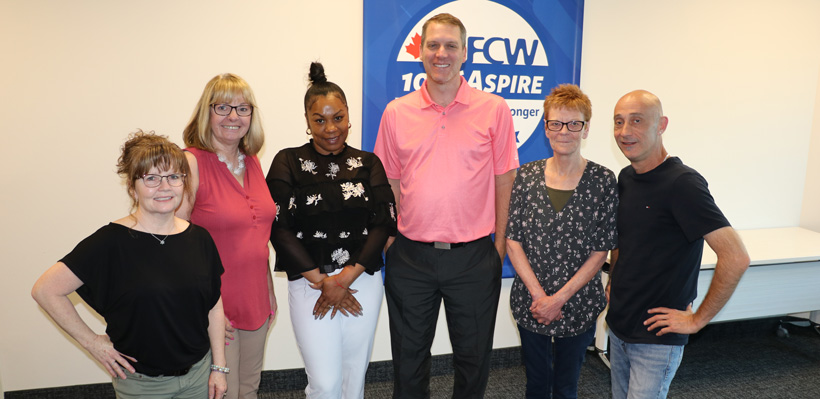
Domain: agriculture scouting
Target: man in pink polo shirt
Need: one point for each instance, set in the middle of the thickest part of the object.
(450, 156)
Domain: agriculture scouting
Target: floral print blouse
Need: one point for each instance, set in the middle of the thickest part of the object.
(332, 210)
(558, 243)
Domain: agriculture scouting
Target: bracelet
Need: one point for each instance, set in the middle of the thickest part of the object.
(220, 369)
(337, 283)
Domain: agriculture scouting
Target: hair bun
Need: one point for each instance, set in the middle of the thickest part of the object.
(317, 73)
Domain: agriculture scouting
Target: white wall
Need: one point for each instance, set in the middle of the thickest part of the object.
(738, 80)
(810, 216)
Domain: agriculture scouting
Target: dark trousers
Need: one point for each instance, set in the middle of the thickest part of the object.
(553, 366)
(417, 278)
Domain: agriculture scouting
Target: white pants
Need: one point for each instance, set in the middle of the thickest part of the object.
(336, 352)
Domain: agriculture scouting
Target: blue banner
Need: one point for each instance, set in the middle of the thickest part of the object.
(518, 49)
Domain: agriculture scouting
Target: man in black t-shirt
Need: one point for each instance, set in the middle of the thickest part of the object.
(664, 215)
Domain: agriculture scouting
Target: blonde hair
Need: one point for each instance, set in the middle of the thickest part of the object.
(143, 151)
(222, 89)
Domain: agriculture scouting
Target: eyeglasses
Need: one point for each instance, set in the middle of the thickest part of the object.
(225, 109)
(572, 126)
(175, 179)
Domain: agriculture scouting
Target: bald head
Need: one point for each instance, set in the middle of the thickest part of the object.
(651, 102)
(639, 124)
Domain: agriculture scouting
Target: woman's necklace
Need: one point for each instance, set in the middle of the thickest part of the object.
(162, 241)
(240, 160)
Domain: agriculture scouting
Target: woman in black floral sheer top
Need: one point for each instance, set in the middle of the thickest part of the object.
(335, 213)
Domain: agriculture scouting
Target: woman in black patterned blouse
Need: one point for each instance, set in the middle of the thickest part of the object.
(561, 225)
(336, 210)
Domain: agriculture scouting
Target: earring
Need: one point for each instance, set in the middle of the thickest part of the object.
(308, 132)
(349, 125)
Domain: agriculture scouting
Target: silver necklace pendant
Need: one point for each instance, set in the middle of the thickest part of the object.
(162, 241)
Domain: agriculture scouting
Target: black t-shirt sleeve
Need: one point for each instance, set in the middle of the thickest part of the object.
(88, 261)
(216, 265)
(694, 207)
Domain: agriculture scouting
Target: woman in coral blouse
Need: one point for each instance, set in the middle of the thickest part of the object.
(231, 200)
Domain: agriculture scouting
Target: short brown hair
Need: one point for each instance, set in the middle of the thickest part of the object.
(143, 151)
(223, 89)
(568, 96)
(445, 19)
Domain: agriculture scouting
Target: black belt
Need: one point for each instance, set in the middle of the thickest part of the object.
(449, 245)
(174, 373)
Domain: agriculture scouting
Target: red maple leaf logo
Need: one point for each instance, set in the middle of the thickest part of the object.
(414, 48)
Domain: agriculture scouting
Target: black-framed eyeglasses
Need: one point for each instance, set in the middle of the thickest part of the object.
(225, 109)
(174, 179)
(572, 126)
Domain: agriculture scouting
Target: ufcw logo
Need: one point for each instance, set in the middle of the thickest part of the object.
(509, 53)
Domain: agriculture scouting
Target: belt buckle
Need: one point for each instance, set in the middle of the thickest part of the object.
(441, 245)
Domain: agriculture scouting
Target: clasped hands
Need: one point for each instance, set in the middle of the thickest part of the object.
(546, 309)
(335, 298)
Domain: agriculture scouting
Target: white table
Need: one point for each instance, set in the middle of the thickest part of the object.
(783, 278)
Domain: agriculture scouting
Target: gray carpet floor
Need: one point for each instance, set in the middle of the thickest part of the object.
(727, 361)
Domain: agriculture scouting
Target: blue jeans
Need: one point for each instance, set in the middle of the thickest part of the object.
(553, 367)
(642, 371)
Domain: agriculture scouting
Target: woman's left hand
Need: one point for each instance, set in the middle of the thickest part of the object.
(334, 297)
(349, 306)
(546, 309)
(217, 385)
(229, 330)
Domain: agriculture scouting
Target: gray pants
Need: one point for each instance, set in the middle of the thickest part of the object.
(193, 385)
